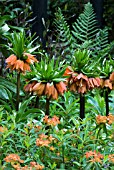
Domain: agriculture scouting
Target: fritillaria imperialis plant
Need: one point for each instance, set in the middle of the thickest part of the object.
(107, 81)
(21, 58)
(46, 79)
(82, 75)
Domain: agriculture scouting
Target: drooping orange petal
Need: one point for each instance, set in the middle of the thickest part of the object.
(61, 87)
(31, 59)
(108, 83)
(74, 76)
(112, 76)
(82, 85)
(9, 66)
(90, 83)
(11, 59)
(26, 67)
(27, 87)
(16, 165)
(102, 83)
(73, 87)
(55, 94)
(82, 76)
(39, 88)
(51, 91)
(47, 89)
(19, 65)
(82, 89)
(36, 86)
(96, 82)
(68, 71)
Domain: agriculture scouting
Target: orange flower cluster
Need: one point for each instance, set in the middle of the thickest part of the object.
(101, 119)
(53, 121)
(80, 82)
(111, 158)
(36, 166)
(15, 161)
(108, 82)
(37, 128)
(94, 156)
(105, 119)
(20, 65)
(48, 89)
(16, 165)
(13, 158)
(3, 129)
(52, 148)
(33, 165)
(44, 140)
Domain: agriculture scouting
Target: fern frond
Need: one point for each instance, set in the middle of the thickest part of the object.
(102, 39)
(85, 28)
(63, 29)
(100, 43)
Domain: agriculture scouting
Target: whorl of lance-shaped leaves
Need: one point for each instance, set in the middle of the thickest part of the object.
(19, 43)
(47, 71)
(82, 63)
(106, 67)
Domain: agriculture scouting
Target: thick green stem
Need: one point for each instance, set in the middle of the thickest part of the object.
(37, 102)
(47, 106)
(106, 102)
(82, 106)
(18, 91)
(63, 153)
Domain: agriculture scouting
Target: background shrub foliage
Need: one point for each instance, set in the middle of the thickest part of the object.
(56, 112)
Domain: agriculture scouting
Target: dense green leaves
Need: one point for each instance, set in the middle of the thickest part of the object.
(9, 85)
(84, 33)
(60, 140)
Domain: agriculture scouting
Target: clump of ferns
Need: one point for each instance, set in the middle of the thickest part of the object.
(84, 33)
